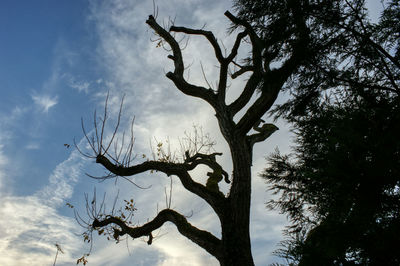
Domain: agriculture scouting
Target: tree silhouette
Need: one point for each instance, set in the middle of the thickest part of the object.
(282, 54)
(340, 188)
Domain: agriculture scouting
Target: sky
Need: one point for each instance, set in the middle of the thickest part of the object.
(58, 61)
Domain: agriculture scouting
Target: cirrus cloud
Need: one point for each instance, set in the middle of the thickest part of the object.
(44, 102)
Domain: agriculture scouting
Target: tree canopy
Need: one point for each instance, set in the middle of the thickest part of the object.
(340, 186)
(343, 46)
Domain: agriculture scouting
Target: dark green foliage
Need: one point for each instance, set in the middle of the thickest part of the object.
(341, 186)
(339, 45)
(342, 183)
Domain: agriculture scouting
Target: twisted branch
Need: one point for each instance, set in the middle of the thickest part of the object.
(202, 238)
(180, 170)
(206, 159)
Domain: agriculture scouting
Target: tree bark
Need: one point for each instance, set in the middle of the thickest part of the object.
(235, 221)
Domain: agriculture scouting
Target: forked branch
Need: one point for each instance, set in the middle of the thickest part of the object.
(256, 42)
(118, 150)
(177, 75)
(208, 34)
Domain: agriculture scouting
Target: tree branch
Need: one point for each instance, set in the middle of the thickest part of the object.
(257, 43)
(242, 70)
(177, 76)
(353, 82)
(208, 34)
(257, 47)
(245, 96)
(206, 159)
(264, 132)
(236, 45)
(202, 238)
(224, 62)
(177, 54)
(259, 108)
(223, 73)
(273, 80)
(180, 170)
(366, 37)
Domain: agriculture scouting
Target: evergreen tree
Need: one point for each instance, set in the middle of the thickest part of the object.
(340, 187)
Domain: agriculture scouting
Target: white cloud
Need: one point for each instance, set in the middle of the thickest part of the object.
(182, 251)
(44, 102)
(8, 121)
(82, 86)
(62, 181)
(30, 230)
(31, 225)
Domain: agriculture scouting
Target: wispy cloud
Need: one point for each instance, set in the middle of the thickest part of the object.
(44, 102)
(31, 225)
(82, 86)
(29, 231)
(62, 181)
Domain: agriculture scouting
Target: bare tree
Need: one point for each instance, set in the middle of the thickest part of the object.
(233, 209)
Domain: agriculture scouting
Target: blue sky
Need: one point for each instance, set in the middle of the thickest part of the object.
(58, 59)
(44, 49)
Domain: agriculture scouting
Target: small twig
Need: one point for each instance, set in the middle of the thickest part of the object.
(205, 77)
(58, 250)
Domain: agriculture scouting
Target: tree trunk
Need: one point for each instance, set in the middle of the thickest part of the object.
(236, 218)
